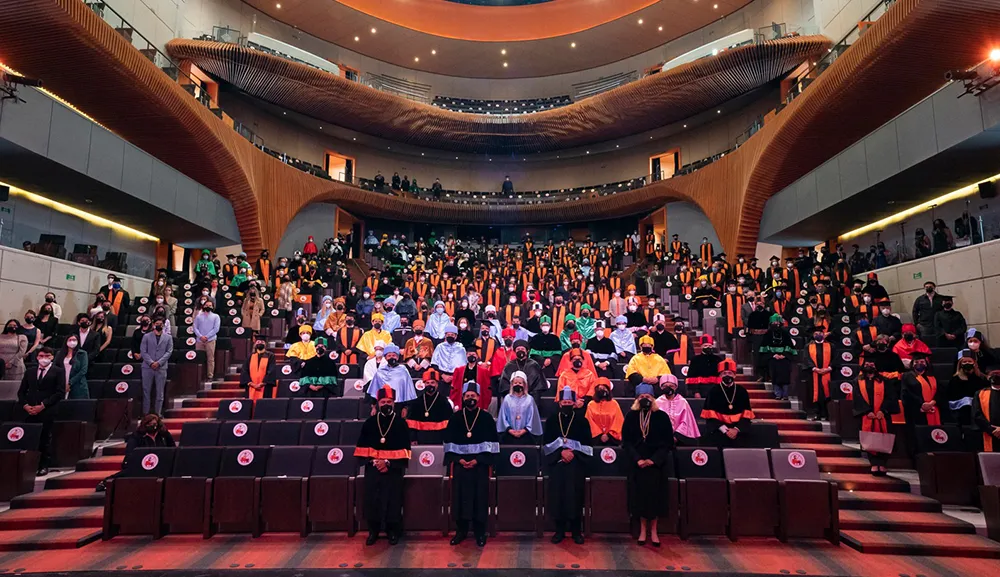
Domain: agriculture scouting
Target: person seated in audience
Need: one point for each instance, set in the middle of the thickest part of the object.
(986, 413)
(703, 372)
(41, 390)
(727, 409)
(419, 349)
(518, 420)
(428, 414)
(585, 322)
(604, 415)
(682, 418)
(578, 377)
(967, 381)
(536, 382)
(466, 337)
(318, 376)
(384, 449)
(374, 363)
(603, 352)
(645, 367)
(663, 340)
(875, 401)
(545, 346)
(567, 451)
(949, 324)
(303, 350)
(910, 345)
(151, 433)
(986, 359)
(337, 319)
(647, 440)
(576, 344)
(395, 375)
(260, 372)
(377, 333)
(779, 347)
(450, 354)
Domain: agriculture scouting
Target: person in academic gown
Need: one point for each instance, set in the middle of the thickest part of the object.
(259, 375)
(396, 375)
(875, 401)
(471, 445)
(703, 371)
(537, 384)
(986, 413)
(648, 439)
(604, 415)
(384, 450)
(779, 347)
(962, 388)
(923, 399)
(603, 352)
(645, 367)
(567, 453)
(727, 409)
(518, 422)
(816, 359)
(318, 376)
(545, 348)
(682, 418)
(429, 413)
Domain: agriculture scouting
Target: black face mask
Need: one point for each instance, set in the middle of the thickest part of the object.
(909, 337)
(470, 403)
(566, 410)
(728, 380)
(647, 350)
(29, 320)
(570, 326)
(508, 342)
(576, 345)
(10, 330)
(260, 346)
(84, 324)
(450, 340)
(645, 404)
(158, 328)
(430, 390)
(967, 368)
(471, 360)
(521, 355)
(392, 362)
(350, 322)
(518, 389)
(881, 347)
(947, 306)
(869, 370)
(669, 391)
(603, 395)
(378, 326)
(322, 351)
(386, 410)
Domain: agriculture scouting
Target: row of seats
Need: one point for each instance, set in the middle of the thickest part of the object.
(481, 106)
(734, 492)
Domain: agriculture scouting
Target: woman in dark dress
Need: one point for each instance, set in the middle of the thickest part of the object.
(647, 439)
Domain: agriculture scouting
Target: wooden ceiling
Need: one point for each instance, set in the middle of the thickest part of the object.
(467, 40)
(649, 103)
(899, 61)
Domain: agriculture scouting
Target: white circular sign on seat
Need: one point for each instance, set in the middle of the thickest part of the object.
(699, 458)
(239, 429)
(237, 320)
(127, 369)
(847, 356)
(333, 355)
(718, 304)
(845, 330)
(187, 286)
(143, 300)
(609, 455)
(796, 460)
(426, 459)
(357, 385)
(190, 355)
(142, 310)
(121, 388)
(240, 330)
(232, 312)
(940, 436)
(188, 311)
(847, 372)
(846, 388)
(419, 385)
(713, 313)
(294, 386)
(235, 407)
(191, 341)
(517, 459)
(245, 457)
(187, 293)
(229, 304)
(684, 370)
(190, 330)
(793, 331)
(344, 369)
(274, 312)
(334, 455)
(286, 370)
(321, 429)
(15, 434)
(306, 406)
(796, 320)
(150, 461)
(846, 341)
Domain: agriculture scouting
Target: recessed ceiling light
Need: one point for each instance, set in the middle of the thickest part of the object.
(357, 38)
(355, 138)
(685, 126)
(572, 44)
(718, 112)
(421, 154)
(640, 21)
(716, 6)
(588, 152)
(284, 113)
(416, 59)
(279, 6)
(617, 146)
(505, 65)
(434, 52)
(660, 28)
(321, 128)
(503, 51)
(374, 31)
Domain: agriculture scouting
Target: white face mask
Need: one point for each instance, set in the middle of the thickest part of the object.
(621, 327)
(44, 363)
(439, 310)
(305, 337)
(973, 346)
(633, 308)
(463, 326)
(71, 344)
(546, 329)
(159, 300)
(599, 334)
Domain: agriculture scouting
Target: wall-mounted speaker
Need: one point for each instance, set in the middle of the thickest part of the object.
(988, 189)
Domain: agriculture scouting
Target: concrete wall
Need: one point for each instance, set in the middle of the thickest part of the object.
(162, 20)
(25, 277)
(971, 275)
(314, 220)
(688, 221)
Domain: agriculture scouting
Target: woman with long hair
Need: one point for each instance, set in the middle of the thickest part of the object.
(963, 386)
(13, 346)
(74, 360)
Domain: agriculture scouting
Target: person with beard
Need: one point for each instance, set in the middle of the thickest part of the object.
(663, 340)
(384, 450)
(986, 413)
(874, 401)
(471, 445)
(567, 452)
(473, 370)
(260, 372)
(319, 374)
(604, 415)
(963, 386)
(816, 359)
(537, 384)
(727, 409)
(518, 422)
(703, 372)
(395, 375)
(682, 418)
(544, 347)
(429, 413)
(603, 352)
(648, 439)
(578, 377)
(780, 350)
(645, 367)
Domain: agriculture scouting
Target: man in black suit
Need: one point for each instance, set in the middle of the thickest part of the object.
(90, 341)
(41, 389)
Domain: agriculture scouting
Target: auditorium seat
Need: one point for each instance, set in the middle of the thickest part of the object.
(808, 506)
(289, 388)
(704, 492)
(133, 501)
(947, 470)
(763, 435)
(119, 405)
(73, 432)
(425, 499)
(319, 432)
(284, 489)
(989, 493)
(187, 492)
(234, 410)
(200, 434)
(753, 494)
(233, 434)
(350, 431)
(236, 490)
(270, 409)
(19, 457)
(280, 433)
(607, 493)
(332, 489)
(518, 487)
(339, 408)
(306, 409)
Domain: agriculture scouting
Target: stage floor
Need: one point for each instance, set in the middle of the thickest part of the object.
(276, 555)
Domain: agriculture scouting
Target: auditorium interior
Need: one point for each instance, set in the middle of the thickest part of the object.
(609, 287)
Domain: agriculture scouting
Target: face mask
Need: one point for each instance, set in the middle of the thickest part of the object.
(947, 306)
(392, 361)
(669, 390)
(818, 338)
(908, 337)
(974, 346)
(919, 367)
(350, 322)
(881, 347)
(603, 395)
(521, 355)
(386, 410)
(930, 290)
(777, 294)
(708, 350)
(29, 319)
(546, 329)
(566, 409)
(470, 403)
(84, 324)
(305, 338)
(471, 359)
(647, 350)
(967, 368)
(645, 404)
(518, 389)
(450, 339)
(44, 363)
(71, 344)
(260, 347)
(886, 312)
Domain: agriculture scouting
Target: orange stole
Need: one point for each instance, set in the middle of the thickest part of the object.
(867, 423)
(928, 388)
(820, 381)
(984, 401)
(258, 370)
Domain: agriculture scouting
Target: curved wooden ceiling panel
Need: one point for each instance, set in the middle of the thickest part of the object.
(649, 103)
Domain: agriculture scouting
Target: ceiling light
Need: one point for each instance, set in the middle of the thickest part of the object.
(321, 128)
(718, 112)
(434, 52)
(357, 38)
(278, 6)
(660, 28)
(640, 21)
(716, 6)
(416, 59)
(995, 55)
(284, 113)
(355, 138)
(572, 44)
(503, 51)
(374, 31)
(685, 126)
(505, 65)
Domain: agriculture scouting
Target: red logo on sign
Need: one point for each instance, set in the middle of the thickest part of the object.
(286, 370)
(846, 388)
(344, 369)
(121, 388)
(517, 459)
(333, 355)
(846, 341)
(15, 434)
(321, 429)
(190, 355)
(240, 429)
(190, 341)
(127, 369)
(150, 461)
(240, 330)
(609, 455)
(699, 458)
(357, 385)
(684, 371)
(306, 407)
(426, 459)
(847, 357)
(846, 371)
(274, 313)
(940, 436)
(334, 455)
(235, 407)
(245, 457)
(237, 320)
(796, 460)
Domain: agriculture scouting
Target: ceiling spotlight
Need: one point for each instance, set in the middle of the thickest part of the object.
(357, 38)
(321, 128)
(416, 59)
(995, 55)
(685, 126)
(434, 52)
(503, 51)
(715, 6)
(355, 138)
(505, 65)
(572, 44)
(660, 28)
(278, 6)
(640, 21)
(284, 113)
(374, 31)
(718, 112)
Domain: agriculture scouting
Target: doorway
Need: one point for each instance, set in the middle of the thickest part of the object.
(339, 167)
(664, 165)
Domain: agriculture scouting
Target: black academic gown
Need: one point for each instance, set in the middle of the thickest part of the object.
(647, 486)
(321, 371)
(874, 395)
(384, 491)
(270, 375)
(428, 417)
(470, 487)
(986, 415)
(717, 412)
(605, 348)
(567, 480)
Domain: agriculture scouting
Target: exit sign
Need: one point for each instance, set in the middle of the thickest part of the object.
(918, 275)
(71, 277)
(5, 209)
